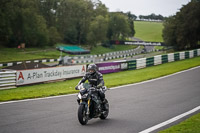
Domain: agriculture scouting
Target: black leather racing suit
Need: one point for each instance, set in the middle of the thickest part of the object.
(95, 79)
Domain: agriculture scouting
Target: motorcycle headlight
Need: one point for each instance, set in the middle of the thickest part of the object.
(84, 96)
(82, 89)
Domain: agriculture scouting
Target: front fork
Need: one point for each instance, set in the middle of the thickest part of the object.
(87, 105)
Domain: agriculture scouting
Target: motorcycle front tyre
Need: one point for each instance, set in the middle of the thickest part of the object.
(82, 115)
(106, 112)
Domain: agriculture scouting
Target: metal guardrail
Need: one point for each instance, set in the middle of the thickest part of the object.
(7, 80)
(107, 56)
(29, 61)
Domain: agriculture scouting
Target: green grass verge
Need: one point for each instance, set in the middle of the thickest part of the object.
(111, 80)
(101, 49)
(149, 31)
(191, 125)
(159, 47)
(14, 54)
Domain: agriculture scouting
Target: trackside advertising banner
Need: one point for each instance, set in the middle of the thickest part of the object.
(109, 67)
(137, 43)
(48, 74)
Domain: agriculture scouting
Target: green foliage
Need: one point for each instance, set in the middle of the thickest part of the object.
(45, 22)
(183, 30)
(101, 9)
(118, 27)
(24, 24)
(54, 36)
(169, 34)
(97, 31)
(74, 17)
(131, 19)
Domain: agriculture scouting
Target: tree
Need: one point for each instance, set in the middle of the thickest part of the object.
(24, 24)
(54, 36)
(131, 18)
(152, 16)
(100, 9)
(97, 31)
(74, 16)
(48, 9)
(118, 27)
(46, 22)
(169, 32)
(183, 29)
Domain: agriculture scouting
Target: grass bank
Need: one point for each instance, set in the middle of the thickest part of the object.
(191, 125)
(149, 31)
(101, 49)
(111, 80)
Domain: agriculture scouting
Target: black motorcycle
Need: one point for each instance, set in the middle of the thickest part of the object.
(90, 104)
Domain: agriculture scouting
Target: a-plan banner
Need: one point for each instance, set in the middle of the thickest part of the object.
(49, 74)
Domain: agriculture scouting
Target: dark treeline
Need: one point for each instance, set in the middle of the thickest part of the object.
(46, 22)
(152, 17)
(183, 29)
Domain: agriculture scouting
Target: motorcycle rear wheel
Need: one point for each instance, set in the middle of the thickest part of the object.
(82, 117)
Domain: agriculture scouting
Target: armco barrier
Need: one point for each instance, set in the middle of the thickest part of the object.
(170, 57)
(141, 63)
(132, 65)
(150, 61)
(10, 78)
(182, 55)
(195, 53)
(29, 61)
(176, 56)
(157, 60)
(7, 80)
(187, 54)
(191, 54)
(164, 58)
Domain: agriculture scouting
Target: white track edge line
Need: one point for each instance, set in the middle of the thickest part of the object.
(170, 121)
(151, 80)
(143, 82)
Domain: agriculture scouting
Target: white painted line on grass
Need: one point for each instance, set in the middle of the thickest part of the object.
(170, 121)
(110, 88)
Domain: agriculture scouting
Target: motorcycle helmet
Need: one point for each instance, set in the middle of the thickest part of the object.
(92, 68)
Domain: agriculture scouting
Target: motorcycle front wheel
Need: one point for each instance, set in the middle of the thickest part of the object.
(82, 117)
(105, 112)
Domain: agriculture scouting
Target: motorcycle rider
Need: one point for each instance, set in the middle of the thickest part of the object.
(95, 79)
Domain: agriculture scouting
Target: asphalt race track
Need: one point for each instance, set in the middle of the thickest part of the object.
(133, 108)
